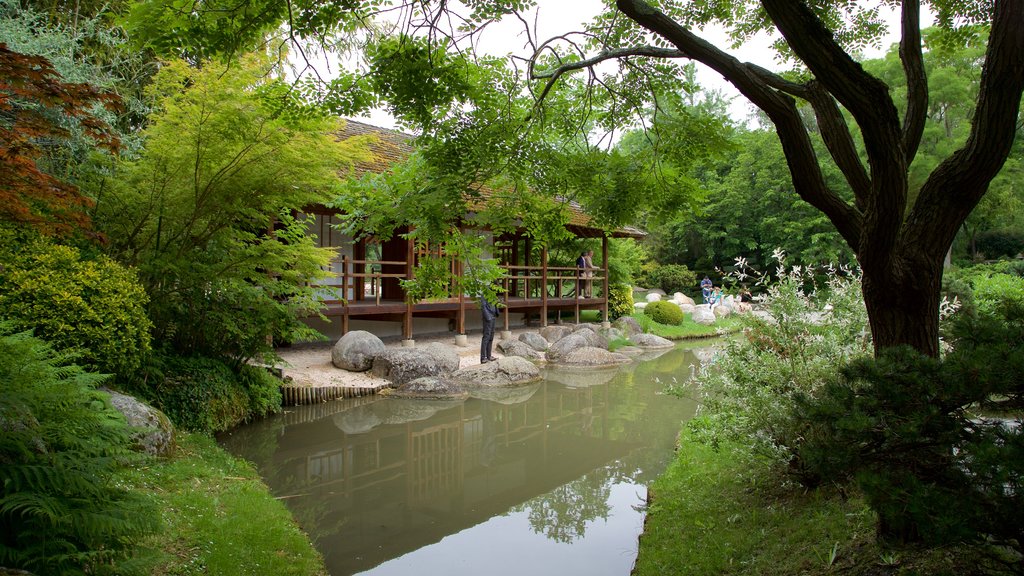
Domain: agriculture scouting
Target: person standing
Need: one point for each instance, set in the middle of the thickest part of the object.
(705, 289)
(581, 270)
(489, 315)
(588, 273)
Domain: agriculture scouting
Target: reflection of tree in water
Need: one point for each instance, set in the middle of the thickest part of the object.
(563, 513)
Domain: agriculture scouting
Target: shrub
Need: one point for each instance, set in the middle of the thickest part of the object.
(201, 394)
(663, 312)
(92, 305)
(262, 388)
(748, 396)
(620, 301)
(673, 278)
(1000, 243)
(62, 443)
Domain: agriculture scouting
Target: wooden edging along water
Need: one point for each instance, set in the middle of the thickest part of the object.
(300, 395)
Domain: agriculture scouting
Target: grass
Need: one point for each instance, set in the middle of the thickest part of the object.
(688, 329)
(710, 514)
(219, 518)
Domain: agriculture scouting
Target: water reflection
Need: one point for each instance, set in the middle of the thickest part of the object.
(389, 483)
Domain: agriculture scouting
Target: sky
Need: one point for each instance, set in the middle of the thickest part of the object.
(554, 17)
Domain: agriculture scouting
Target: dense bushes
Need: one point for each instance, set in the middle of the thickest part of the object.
(804, 391)
(663, 312)
(620, 301)
(89, 304)
(61, 444)
(673, 278)
(205, 395)
(1000, 243)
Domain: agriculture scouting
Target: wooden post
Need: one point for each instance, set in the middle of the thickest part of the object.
(344, 295)
(544, 287)
(460, 315)
(604, 269)
(410, 257)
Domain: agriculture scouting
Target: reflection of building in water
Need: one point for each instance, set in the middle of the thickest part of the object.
(393, 481)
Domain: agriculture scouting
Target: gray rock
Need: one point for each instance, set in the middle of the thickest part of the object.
(628, 325)
(517, 348)
(590, 356)
(507, 371)
(401, 365)
(555, 332)
(356, 350)
(430, 387)
(567, 344)
(651, 341)
(722, 311)
(534, 340)
(594, 338)
(631, 351)
(153, 431)
(702, 315)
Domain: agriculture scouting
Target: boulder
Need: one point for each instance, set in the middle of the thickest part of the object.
(507, 371)
(628, 325)
(401, 365)
(555, 332)
(613, 334)
(651, 341)
(534, 340)
(640, 305)
(356, 350)
(722, 311)
(680, 298)
(687, 308)
(657, 291)
(432, 388)
(567, 344)
(153, 431)
(631, 351)
(594, 338)
(653, 297)
(591, 356)
(521, 349)
(703, 315)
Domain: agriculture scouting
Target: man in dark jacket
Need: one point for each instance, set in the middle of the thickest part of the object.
(489, 314)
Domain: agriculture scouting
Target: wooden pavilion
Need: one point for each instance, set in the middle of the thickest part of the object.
(367, 271)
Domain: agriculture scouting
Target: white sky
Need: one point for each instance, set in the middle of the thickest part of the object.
(556, 17)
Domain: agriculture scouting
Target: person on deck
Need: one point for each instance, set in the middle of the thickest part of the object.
(489, 314)
(588, 274)
(581, 265)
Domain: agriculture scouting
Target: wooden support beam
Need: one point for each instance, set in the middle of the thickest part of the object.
(604, 268)
(544, 287)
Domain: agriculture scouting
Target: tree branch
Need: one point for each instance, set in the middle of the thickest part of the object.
(956, 186)
(808, 180)
(917, 81)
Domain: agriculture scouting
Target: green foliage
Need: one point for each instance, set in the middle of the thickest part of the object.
(806, 336)
(664, 312)
(62, 444)
(263, 390)
(221, 169)
(673, 278)
(620, 301)
(90, 304)
(204, 395)
(1000, 243)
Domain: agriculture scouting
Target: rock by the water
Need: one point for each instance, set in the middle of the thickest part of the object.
(517, 348)
(631, 351)
(153, 431)
(581, 376)
(702, 315)
(567, 344)
(534, 340)
(430, 387)
(651, 341)
(591, 356)
(628, 325)
(554, 332)
(356, 350)
(507, 371)
(401, 365)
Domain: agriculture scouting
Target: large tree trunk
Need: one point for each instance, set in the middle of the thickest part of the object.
(903, 306)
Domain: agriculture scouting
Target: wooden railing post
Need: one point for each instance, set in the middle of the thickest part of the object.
(604, 268)
(544, 287)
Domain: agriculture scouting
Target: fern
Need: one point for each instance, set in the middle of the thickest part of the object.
(61, 444)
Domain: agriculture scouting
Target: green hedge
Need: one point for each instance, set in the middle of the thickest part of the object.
(663, 312)
(92, 305)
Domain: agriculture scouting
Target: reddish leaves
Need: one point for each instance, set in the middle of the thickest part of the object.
(33, 101)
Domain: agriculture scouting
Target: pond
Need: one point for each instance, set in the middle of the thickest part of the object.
(545, 479)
